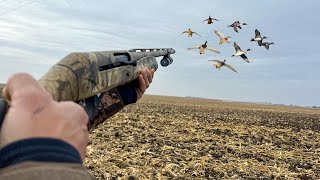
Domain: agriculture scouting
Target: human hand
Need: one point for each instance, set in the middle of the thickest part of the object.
(34, 114)
(145, 78)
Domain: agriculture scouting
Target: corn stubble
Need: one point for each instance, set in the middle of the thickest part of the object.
(185, 138)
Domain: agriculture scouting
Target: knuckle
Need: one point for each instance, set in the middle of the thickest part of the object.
(33, 93)
(79, 110)
(20, 76)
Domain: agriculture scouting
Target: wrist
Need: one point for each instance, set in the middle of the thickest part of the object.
(38, 149)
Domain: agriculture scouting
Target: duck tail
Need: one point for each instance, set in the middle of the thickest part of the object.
(252, 39)
(248, 49)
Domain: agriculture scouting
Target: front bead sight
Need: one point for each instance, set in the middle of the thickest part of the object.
(166, 61)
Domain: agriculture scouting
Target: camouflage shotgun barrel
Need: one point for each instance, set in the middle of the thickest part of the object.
(85, 77)
(82, 75)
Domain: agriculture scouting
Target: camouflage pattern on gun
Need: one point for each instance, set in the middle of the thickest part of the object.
(86, 77)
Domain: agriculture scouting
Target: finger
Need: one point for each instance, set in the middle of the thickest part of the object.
(144, 72)
(18, 83)
(152, 72)
(142, 85)
(149, 75)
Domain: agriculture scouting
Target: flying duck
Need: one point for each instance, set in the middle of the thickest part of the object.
(190, 32)
(222, 63)
(210, 20)
(240, 53)
(237, 25)
(223, 39)
(204, 47)
(258, 37)
(267, 44)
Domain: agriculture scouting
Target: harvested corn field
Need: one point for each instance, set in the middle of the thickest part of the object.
(188, 138)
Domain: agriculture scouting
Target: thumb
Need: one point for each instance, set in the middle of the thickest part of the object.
(23, 88)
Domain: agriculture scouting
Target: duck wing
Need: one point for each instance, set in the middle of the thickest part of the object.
(244, 57)
(236, 28)
(230, 67)
(205, 20)
(219, 34)
(257, 33)
(236, 47)
(216, 61)
(184, 32)
(195, 47)
(213, 50)
(197, 34)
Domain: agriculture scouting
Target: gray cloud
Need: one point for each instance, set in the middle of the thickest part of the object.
(35, 37)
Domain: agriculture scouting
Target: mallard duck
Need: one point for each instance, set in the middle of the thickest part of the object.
(190, 33)
(210, 20)
(204, 47)
(222, 38)
(266, 44)
(237, 25)
(258, 37)
(240, 53)
(222, 63)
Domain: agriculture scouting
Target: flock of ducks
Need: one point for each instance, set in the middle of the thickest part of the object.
(227, 39)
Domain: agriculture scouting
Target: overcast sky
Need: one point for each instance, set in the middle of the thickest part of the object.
(35, 37)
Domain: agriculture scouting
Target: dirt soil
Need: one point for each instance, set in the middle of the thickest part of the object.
(188, 138)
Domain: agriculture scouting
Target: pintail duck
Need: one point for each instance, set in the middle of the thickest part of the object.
(240, 53)
(210, 20)
(222, 63)
(258, 37)
(267, 44)
(223, 39)
(190, 33)
(237, 25)
(204, 47)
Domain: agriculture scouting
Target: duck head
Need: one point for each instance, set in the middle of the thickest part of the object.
(244, 24)
(224, 60)
(206, 43)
